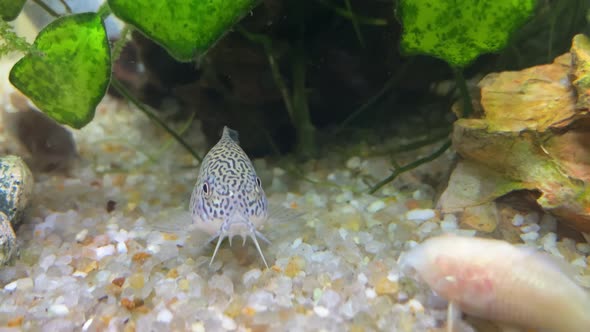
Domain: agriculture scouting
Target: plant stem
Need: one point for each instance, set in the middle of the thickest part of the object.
(46, 8)
(305, 130)
(124, 92)
(430, 139)
(120, 43)
(373, 100)
(266, 43)
(348, 14)
(410, 166)
(355, 23)
(66, 6)
(467, 108)
(104, 10)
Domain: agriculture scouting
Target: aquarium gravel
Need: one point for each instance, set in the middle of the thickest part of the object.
(100, 249)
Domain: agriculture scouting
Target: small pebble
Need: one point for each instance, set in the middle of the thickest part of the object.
(580, 261)
(376, 206)
(250, 277)
(10, 286)
(343, 233)
(104, 251)
(530, 228)
(321, 311)
(228, 324)
(121, 248)
(58, 310)
(198, 327)
(532, 236)
(549, 241)
(296, 243)
(583, 248)
(164, 316)
(420, 215)
(362, 278)
(353, 163)
(416, 306)
(370, 293)
(81, 236)
(518, 220)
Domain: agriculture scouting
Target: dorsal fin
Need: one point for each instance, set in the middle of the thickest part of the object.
(228, 132)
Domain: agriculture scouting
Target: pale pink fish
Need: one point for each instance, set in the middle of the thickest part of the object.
(496, 280)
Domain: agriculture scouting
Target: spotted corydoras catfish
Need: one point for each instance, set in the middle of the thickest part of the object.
(228, 198)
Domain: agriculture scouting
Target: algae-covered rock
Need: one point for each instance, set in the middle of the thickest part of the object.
(536, 98)
(581, 70)
(534, 134)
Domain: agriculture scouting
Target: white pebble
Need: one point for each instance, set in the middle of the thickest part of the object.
(549, 241)
(427, 228)
(228, 324)
(580, 261)
(532, 236)
(296, 243)
(370, 293)
(362, 278)
(343, 233)
(81, 236)
(46, 262)
(420, 215)
(164, 316)
(251, 277)
(87, 324)
(391, 228)
(415, 305)
(376, 206)
(393, 276)
(530, 228)
(58, 310)
(104, 251)
(198, 327)
(353, 163)
(10, 286)
(321, 311)
(153, 248)
(121, 248)
(449, 223)
(583, 248)
(518, 220)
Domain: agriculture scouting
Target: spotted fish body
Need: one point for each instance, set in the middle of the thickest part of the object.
(228, 198)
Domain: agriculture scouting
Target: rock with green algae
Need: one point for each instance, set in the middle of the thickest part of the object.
(534, 135)
(581, 70)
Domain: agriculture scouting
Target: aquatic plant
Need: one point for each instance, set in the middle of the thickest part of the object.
(458, 34)
(70, 71)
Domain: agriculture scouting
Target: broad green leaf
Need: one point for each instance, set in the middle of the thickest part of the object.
(9, 9)
(185, 28)
(70, 73)
(459, 31)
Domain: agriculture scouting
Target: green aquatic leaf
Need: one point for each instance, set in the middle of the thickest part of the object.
(459, 31)
(9, 9)
(184, 28)
(70, 71)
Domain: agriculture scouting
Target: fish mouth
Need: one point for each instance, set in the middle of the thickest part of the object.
(243, 227)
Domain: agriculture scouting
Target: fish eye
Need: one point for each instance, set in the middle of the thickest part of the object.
(206, 189)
